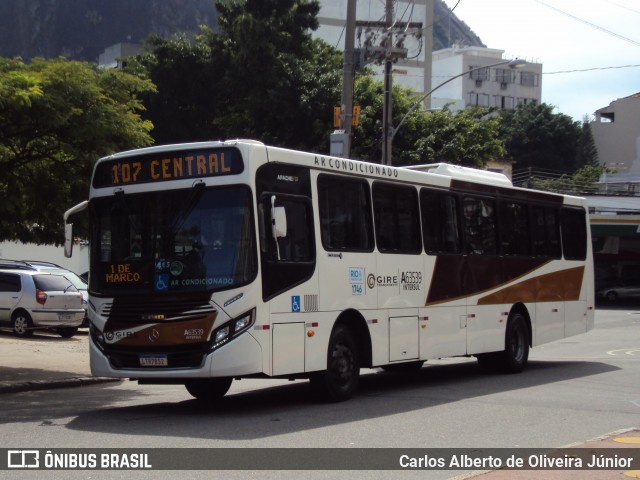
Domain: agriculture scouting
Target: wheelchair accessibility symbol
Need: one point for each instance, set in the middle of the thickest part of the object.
(295, 303)
(162, 282)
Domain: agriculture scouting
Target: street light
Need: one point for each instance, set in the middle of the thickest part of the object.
(515, 63)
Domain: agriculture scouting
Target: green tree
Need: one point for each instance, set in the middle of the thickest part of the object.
(587, 153)
(56, 118)
(261, 76)
(581, 182)
(466, 137)
(536, 137)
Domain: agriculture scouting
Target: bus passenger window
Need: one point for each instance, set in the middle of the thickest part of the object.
(573, 223)
(545, 232)
(514, 229)
(397, 219)
(479, 226)
(345, 214)
(440, 223)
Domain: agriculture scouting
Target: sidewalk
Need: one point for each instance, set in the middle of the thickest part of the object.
(44, 361)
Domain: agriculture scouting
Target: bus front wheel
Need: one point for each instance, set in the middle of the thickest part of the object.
(209, 389)
(340, 380)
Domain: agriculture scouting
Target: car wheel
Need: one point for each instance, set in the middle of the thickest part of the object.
(22, 324)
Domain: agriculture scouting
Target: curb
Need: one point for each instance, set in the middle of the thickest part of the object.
(51, 384)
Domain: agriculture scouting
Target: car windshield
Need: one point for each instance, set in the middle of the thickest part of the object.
(185, 240)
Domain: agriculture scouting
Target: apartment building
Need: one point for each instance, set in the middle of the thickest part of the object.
(498, 86)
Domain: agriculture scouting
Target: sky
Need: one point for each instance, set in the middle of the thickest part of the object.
(586, 41)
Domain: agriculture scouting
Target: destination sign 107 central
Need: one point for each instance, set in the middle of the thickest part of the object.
(166, 166)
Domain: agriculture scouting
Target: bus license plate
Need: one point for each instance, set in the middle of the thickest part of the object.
(153, 361)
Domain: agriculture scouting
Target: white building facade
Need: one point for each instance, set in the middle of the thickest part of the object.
(500, 86)
(616, 134)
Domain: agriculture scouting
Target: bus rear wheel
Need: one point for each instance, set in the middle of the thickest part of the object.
(209, 389)
(516, 347)
(340, 380)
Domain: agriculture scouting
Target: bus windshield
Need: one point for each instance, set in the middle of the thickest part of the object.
(189, 240)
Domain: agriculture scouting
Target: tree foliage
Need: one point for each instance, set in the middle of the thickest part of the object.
(536, 137)
(581, 182)
(466, 137)
(261, 76)
(56, 118)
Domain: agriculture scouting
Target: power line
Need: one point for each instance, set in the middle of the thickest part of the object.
(622, 6)
(593, 25)
(589, 69)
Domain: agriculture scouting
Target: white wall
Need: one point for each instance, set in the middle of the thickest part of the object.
(78, 263)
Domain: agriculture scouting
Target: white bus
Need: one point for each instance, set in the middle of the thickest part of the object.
(220, 260)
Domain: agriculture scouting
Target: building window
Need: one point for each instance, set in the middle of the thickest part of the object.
(479, 74)
(505, 75)
(505, 103)
(529, 79)
(478, 100)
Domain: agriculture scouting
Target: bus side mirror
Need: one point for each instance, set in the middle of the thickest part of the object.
(279, 222)
(68, 240)
(68, 227)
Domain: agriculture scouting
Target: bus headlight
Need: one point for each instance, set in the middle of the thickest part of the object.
(221, 334)
(232, 329)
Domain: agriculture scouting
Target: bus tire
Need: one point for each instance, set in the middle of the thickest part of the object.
(340, 380)
(209, 389)
(516, 345)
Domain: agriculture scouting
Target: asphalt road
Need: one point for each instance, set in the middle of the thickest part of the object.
(573, 390)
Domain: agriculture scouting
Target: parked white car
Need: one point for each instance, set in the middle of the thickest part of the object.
(32, 300)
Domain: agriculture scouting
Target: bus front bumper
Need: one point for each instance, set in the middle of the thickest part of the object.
(242, 356)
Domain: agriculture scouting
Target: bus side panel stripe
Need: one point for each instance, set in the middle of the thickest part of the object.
(564, 285)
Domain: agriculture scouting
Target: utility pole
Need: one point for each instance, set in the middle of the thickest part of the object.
(383, 48)
(348, 71)
(387, 123)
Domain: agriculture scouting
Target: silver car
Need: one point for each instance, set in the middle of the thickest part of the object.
(77, 281)
(32, 300)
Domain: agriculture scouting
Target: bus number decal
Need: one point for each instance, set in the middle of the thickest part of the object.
(356, 279)
(411, 280)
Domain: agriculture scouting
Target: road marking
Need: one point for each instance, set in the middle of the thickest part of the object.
(624, 351)
(634, 440)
